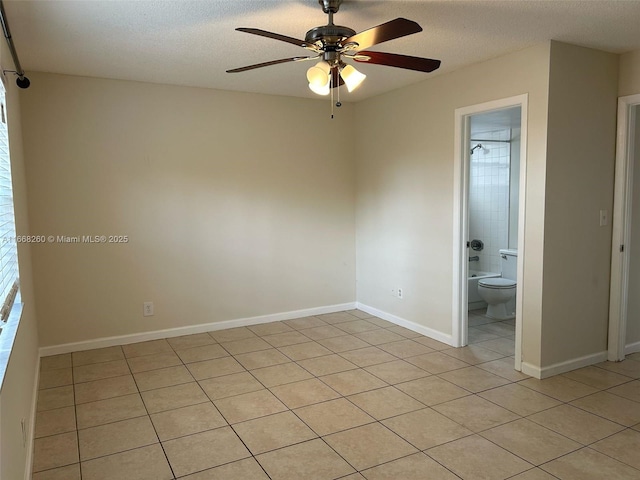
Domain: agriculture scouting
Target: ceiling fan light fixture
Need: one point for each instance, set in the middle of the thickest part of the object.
(352, 77)
(318, 75)
(320, 89)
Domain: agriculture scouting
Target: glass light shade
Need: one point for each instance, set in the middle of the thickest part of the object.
(320, 90)
(318, 75)
(352, 77)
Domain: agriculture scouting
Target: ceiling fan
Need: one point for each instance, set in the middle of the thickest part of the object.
(332, 44)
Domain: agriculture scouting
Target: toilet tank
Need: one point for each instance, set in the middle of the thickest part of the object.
(509, 263)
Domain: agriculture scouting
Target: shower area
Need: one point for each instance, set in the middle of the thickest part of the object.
(493, 195)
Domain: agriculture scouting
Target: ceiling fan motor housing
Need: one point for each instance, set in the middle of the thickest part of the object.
(329, 35)
(330, 5)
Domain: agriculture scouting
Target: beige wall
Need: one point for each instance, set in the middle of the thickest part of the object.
(405, 189)
(580, 172)
(236, 205)
(629, 81)
(16, 397)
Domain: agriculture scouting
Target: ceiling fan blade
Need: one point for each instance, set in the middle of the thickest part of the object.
(397, 28)
(277, 36)
(272, 62)
(399, 61)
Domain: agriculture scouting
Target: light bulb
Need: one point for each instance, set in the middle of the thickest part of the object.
(352, 77)
(320, 89)
(318, 74)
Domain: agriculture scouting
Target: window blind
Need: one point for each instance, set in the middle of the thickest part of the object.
(8, 240)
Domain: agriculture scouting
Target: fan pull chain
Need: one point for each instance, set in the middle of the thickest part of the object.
(331, 89)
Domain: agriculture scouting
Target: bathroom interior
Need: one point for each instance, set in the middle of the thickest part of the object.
(494, 177)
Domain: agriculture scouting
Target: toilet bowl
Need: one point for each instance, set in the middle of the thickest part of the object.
(497, 292)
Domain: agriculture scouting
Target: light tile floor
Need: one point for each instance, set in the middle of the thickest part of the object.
(337, 396)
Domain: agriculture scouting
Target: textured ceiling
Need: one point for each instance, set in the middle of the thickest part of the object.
(192, 43)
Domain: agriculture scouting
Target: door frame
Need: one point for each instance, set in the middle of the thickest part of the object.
(621, 233)
(460, 318)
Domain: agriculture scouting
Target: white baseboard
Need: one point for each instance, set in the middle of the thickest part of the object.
(189, 330)
(632, 348)
(32, 424)
(563, 367)
(421, 329)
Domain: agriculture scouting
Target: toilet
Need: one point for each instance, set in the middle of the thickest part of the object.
(500, 292)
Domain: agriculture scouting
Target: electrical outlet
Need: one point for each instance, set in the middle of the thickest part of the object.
(603, 218)
(147, 309)
(400, 293)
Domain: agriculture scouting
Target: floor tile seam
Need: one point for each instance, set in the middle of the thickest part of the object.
(178, 408)
(599, 388)
(502, 376)
(55, 386)
(355, 470)
(400, 458)
(299, 329)
(373, 420)
(59, 466)
(100, 378)
(549, 395)
(461, 424)
(54, 468)
(73, 365)
(534, 468)
(590, 446)
(471, 391)
(541, 466)
(599, 415)
(442, 464)
(109, 398)
(79, 429)
(42, 410)
(119, 451)
(153, 425)
(288, 344)
(424, 407)
(310, 404)
(470, 434)
(534, 391)
(288, 360)
(373, 364)
(581, 445)
(522, 458)
(316, 436)
(323, 355)
(621, 396)
(190, 434)
(386, 428)
(35, 437)
(474, 364)
(381, 388)
(494, 350)
(181, 382)
(206, 359)
(444, 352)
(181, 364)
(570, 438)
(613, 371)
(51, 369)
(355, 367)
(394, 383)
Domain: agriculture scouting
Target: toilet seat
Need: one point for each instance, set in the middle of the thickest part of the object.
(497, 283)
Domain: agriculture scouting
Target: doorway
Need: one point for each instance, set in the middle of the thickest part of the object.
(624, 308)
(490, 174)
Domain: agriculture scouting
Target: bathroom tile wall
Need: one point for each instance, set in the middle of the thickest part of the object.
(489, 198)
